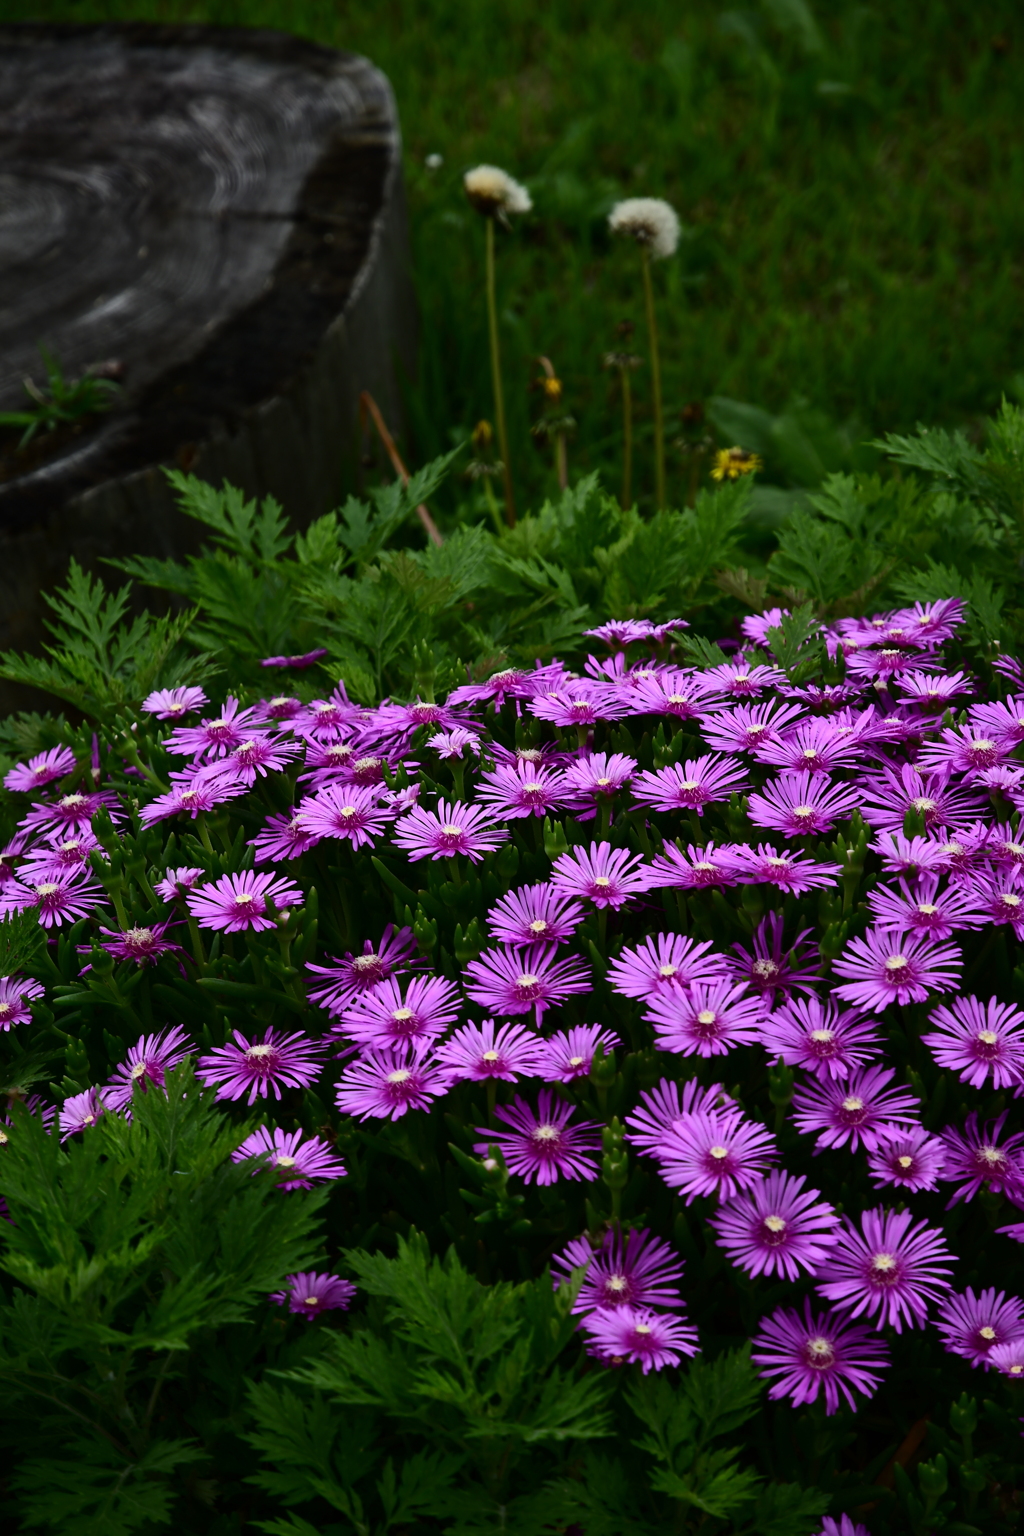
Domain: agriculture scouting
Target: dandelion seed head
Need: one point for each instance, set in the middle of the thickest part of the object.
(650, 221)
(494, 193)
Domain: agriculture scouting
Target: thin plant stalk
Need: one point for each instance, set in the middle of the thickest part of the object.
(627, 439)
(499, 398)
(561, 462)
(659, 421)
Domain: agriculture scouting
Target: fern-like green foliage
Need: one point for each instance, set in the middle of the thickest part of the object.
(127, 1248)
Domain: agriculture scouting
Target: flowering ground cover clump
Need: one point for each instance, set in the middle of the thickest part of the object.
(645, 1042)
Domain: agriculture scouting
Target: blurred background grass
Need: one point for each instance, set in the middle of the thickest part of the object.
(850, 178)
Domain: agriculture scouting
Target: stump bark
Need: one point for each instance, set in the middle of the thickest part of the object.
(221, 213)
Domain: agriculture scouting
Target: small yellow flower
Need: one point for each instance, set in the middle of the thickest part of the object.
(731, 463)
(552, 389)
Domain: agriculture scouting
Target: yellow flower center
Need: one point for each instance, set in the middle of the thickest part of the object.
(602, 880)
(526, 980)
(258, 1052)
(284, 1161)
(402, 1015)
(575, 1061)
(539, 925)
(884, 1263)
(546, 1133)
(642, 1328)
(802, 812)
(400, 1075)
(490, 1056)
(927, 908)
(822, 1036)
(775, 1223)
(986, 1332)
(718, 1152)
(896, 963)
(706, 1016)
(852, 1104)
(47, 888)
(987, 1037)
(667, 971)
(451, 830)
(923, 804)
(905, 1161)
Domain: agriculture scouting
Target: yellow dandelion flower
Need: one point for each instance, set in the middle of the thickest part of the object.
(731, 463)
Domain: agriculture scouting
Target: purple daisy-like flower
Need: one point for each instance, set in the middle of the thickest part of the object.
(40, 770)
(63, 899)
(456, 743)
(175, 882)
(257, 755)
(906, 855)
(609, 877)
(817, 746)
(255, 1066)
(346, 811)
(516, 980)
(148, 1062)
(534, 914)
(748, 726)
(638, 1336)
(887, 799)
(662, 963)
(812, 1034)
(910, 1159)
(326, 719)
(311, 1293)
(1000, 898)
(715, 1153)
(817, 1353)
(524, 790)
(770, 969)
(664, 1108)
(144, 945)
(191, 792)
(740, 680)
(596, 777)
(214, 737)
(972, 1326)
(787, 870)
(798, 804)
(81, 1111)
(920, 907)
(891, 1268)
(964, 750)
(451, 829)
(977, 1157)
(299, 1164)
(691, 785)
(668, 693)
(863, 1109)
(172, 703)
(281, 708)
(776, 1227)
(756, 625)
(476, 1052)
(541, 1145)
(638, 1271)
(570, 1053)
(283, 837)
(705, 1018)
(1008, 1359)
(71, 813)
(695, 870)
(579, 703)
(16, 992)
(61, 857)
(389, 1015)
(354, 976)
(385, 1084)
(624, 631)
(236, 902)
(884, 968)
(932, 690)
(307, 659)
(975, 1039)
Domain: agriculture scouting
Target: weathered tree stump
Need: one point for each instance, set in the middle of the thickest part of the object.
(222, 213)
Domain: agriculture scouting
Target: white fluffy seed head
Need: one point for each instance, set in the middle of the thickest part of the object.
(493, 192)
(650, 221)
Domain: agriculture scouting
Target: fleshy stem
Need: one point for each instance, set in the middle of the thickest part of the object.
(627, 439)
(659, 423)
(499, 399)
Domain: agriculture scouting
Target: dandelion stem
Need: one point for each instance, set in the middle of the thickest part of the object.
(561, 462)
(499, 399)
(659, 423)
(627, 439)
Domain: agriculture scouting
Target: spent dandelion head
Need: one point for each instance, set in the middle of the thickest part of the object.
(734, 463)
(494, 193)
(650, 221)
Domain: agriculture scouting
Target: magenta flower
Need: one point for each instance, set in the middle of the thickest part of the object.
(910, 1159)
(863, 1109)
(345, 811)
(143, 945)
(510, 682)
(283, 837)
(570, 1053)
(451, 829)
(662, 963)
(975, 1039)
(748, 726)
(579, 703)
(891, 1269)
(81, 1111)
(1000, 900)
(16, 992)
(906, 855)
(1004, 848)
(776, 1227)
(696, 869)
(963, 750)
(977, 1157)
(691, 785)
(326, 761)
(740, 680)
(534, 914)
(383, 1085)
(972, 1326)
(665, 1108)
(310, 1294)
(609, 877)
(71, 813)
(63, 899)
(770, 969)
(256, 756)
(212, 738)
(176, 882)
(640, 1271)
(599, 775)
(193, 791)
(798, 804)
(387, 1016)
(524, 790)
(1008, 1359)
(668, 693)
(253, 1067)
(149, 1061)
(922, 908)
(886, 799)
(61, 857)
(715, 1153)
(755, 626)
(637, 1336)
(236, 902)
(516, 980)
(476, 1052)
(454, 744)
(624, 631)
(542, 1146)
(172, 703)
(931, 690)
(300, 1164)
(814, 1035)
(705, 1018)
(819, 1352)
(307, 659)
(787, 870)
(281, 708)
(817, 746)
(884, 968)
(354, 976)
(40, 770)
(324, 719)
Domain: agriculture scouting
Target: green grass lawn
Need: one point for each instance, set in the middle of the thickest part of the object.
(850, 178)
